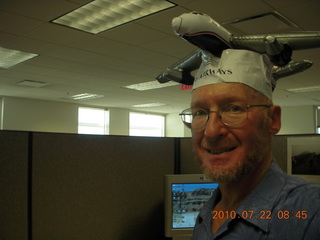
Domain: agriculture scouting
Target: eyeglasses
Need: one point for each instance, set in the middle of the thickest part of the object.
(233, 114)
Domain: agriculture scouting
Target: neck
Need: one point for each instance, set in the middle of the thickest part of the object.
(233, 193)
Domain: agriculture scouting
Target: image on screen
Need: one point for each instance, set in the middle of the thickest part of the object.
(187, 200)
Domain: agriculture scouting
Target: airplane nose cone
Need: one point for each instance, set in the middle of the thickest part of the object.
(176, 25)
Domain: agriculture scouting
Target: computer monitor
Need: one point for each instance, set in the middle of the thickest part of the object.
(185, 194)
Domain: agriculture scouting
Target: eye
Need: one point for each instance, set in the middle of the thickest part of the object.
(199, 112)
(235, 108)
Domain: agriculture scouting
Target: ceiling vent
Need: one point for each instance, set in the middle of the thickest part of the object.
(31, 83)
(150, 85)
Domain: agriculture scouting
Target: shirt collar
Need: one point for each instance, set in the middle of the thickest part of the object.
(205, 215)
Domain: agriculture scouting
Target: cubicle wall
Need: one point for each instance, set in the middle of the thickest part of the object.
(84, 187)
(14, 186)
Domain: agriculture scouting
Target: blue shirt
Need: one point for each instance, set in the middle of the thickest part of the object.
(280, 207)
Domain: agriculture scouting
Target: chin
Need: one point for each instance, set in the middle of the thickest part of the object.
(222, 174)
(229, 167)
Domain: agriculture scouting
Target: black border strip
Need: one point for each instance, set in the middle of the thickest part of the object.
(177, 158)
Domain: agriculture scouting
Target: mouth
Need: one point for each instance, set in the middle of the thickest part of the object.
(216, 152)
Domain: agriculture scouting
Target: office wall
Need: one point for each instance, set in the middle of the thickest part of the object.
(49, 116)
(119, 121)
(84, 187)
(46, 116)
(175, 127)
(298, 120)
(35, 115)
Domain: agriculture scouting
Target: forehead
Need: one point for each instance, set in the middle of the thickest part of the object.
(221, 93)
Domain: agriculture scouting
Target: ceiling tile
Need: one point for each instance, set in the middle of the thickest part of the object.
(133, 34)
(73, 61)
(15, 24)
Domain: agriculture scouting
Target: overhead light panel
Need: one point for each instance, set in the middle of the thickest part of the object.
(150, 85)
(85, 96)
(304, 89)
(100, 15)
(148, 105)
(10, 57)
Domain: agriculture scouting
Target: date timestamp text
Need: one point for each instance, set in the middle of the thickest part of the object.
(261, 215)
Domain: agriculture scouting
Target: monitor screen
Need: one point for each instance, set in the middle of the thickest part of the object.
(187, 200)
(185, 195)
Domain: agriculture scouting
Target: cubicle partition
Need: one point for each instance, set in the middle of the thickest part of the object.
(14, 202)
(85, 187)
(68, 186)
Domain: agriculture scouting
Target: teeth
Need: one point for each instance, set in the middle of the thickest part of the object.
(219, 152)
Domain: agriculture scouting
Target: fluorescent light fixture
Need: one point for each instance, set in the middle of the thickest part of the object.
(100, 15)
(10, 57)
(147, 105)
(304, 89)
(85, 96)
(150, 85)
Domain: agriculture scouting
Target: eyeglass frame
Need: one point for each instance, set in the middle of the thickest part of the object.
(189, 125)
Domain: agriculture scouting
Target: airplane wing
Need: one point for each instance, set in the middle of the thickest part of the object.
(205, 33)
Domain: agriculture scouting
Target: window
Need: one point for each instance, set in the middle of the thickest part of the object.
(93, 121)
(142, 124)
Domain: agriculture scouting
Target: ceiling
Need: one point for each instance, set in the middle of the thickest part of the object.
(72, 62)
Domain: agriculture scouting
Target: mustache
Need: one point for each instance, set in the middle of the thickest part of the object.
(222, 143)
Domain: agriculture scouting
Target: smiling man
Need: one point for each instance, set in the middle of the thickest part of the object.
(232, 118)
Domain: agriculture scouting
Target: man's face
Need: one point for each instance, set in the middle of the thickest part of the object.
(226, 153)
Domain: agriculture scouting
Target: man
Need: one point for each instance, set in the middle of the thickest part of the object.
(232, 118)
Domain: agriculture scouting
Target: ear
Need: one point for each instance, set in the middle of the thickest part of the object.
(274, 120)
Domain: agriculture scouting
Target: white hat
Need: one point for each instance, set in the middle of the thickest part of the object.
(241, 66)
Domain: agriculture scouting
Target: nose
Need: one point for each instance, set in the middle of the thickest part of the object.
(214, 127)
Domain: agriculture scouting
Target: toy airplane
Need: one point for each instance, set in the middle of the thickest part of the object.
(203, 32)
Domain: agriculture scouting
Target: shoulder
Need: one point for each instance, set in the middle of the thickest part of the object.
(298, 196)
(297, 188)
(297, 210)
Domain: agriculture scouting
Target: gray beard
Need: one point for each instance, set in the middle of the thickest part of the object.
(257, 155)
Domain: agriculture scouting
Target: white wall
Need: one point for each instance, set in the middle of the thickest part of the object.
(175, 127)
(47, 116)
(298, 120)
(35, 115)
(119, 121)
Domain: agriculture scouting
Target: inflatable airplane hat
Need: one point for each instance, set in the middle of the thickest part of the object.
(255, 60)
